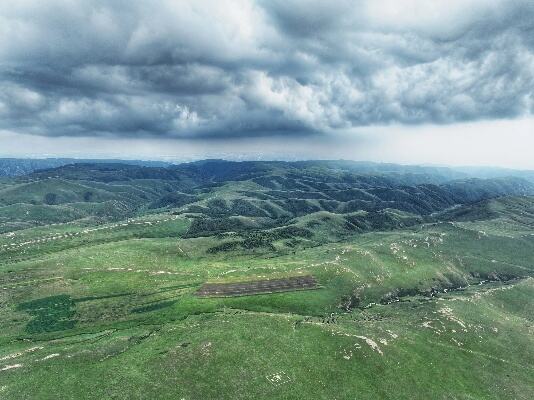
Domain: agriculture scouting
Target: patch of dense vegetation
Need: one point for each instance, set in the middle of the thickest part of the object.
(49, 314)
(263, 239)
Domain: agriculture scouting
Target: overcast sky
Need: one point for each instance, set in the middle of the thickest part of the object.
(412, 81)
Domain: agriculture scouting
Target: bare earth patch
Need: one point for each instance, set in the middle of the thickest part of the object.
(278, 378)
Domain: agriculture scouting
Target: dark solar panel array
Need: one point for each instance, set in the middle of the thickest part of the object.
(257, 287)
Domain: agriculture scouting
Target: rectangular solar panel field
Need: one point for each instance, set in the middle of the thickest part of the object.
(257, 287)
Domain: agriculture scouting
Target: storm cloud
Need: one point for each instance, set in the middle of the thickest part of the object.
(240, 68)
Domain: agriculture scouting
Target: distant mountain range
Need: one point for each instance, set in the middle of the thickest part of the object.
(226, 195)
(10, 167)
(24, 166)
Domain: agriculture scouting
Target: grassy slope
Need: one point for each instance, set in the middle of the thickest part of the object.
(471, 345)
(93, 305)
(127, 323)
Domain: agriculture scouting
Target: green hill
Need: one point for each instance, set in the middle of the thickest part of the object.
(419, 270)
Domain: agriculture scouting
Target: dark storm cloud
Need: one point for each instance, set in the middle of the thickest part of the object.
(245, 68)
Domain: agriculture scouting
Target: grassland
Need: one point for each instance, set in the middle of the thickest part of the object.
(411, 305)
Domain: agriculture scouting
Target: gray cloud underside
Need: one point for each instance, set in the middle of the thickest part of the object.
(244, 68)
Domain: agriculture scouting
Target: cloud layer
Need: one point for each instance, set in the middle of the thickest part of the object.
(242, 68)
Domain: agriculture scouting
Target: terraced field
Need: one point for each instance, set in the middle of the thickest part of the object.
(196, 299)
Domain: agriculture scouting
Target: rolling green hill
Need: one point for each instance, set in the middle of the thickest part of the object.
(425, 282)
